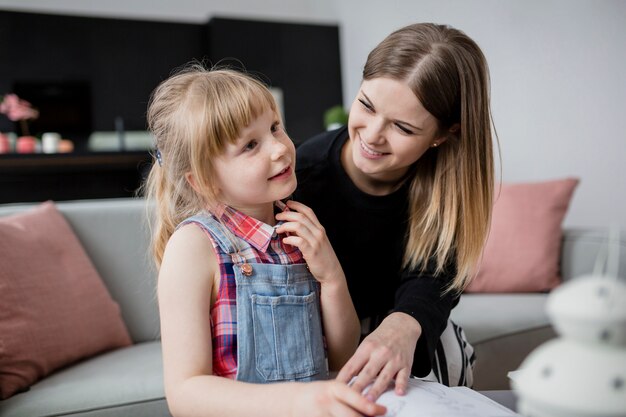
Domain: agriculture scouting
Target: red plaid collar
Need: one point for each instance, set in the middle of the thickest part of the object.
(253, 231)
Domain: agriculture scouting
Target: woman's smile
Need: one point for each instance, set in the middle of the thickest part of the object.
(368, 152)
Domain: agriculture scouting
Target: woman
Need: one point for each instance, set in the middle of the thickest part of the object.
(405, 195)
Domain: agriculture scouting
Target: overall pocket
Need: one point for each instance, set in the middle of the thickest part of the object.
(287, 332)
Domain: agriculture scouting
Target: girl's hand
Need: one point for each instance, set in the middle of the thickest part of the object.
(384, 355)
(339, 319)
(332, 398)
(307, 234)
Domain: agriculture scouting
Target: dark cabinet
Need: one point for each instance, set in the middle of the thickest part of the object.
(302, 60)
(39, 177)
(91, 70)
(84, 73)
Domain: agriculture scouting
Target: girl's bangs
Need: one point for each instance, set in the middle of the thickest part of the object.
(236, 109)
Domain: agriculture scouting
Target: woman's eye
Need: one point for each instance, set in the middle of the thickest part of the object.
(404, 129)
(367, 106)
(251, 145)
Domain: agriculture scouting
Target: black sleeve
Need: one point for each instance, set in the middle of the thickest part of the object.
(421, 295)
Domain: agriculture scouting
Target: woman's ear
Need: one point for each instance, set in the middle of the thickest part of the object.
(452, 131)
(439, 140)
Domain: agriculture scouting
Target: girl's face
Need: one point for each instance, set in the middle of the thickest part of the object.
(389, 130)
(258, 168)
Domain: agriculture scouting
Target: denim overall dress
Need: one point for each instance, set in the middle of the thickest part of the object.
(279, 328)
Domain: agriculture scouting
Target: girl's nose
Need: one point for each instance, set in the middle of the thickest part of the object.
(279, 149)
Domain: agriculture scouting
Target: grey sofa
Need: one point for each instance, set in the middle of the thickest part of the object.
(503, 328)
(124, 382)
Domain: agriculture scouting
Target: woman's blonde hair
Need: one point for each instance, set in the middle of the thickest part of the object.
(193, 115)
(451, 191)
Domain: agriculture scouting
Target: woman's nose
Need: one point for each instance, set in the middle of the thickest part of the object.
(376, 131)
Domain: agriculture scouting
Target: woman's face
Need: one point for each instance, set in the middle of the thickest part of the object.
(389, 130)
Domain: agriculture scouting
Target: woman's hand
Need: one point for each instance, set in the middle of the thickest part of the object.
(307, 234)
(332, 398)
(384, 355)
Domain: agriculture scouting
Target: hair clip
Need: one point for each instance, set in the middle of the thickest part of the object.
(159, 158)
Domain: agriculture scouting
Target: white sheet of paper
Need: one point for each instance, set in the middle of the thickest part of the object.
(425, 398)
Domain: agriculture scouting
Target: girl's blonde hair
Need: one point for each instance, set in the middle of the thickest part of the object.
(193, 115)
(451, 189)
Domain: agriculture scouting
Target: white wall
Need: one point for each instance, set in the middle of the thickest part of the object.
(191, 11)
(558, 70)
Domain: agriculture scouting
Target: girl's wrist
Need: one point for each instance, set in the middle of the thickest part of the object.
(334, 282)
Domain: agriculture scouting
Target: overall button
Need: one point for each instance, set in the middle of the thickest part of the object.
(246, 269)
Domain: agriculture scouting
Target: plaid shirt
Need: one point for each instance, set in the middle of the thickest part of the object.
(266, 247)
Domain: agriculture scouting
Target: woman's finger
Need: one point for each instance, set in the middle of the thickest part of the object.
(382, 382)
(402, 381)
(353, 366)
(369, 372)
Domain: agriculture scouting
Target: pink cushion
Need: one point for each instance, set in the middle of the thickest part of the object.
(523, 249)
(54, 309)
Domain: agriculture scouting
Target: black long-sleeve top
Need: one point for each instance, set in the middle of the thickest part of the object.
(368, 233)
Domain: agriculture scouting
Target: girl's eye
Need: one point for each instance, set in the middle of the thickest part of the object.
(250, 145)
(275, 127)
(404, 129)
(367, 106)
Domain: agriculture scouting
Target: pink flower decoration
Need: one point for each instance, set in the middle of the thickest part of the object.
(17, 109)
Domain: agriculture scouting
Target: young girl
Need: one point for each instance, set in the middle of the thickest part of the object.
(240, 293)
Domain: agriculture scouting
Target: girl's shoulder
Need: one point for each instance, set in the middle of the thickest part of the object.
(189, 262)
(189, 240)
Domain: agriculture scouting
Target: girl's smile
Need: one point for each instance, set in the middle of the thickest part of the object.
(283, 174)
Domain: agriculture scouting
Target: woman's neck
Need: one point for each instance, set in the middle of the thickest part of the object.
(379, 184)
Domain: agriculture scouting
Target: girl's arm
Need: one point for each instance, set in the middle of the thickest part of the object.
(339, 318)
(186, 284)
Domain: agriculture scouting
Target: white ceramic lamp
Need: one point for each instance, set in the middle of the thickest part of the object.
(582, 373)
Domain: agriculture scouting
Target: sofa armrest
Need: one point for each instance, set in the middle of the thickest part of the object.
(580, 248)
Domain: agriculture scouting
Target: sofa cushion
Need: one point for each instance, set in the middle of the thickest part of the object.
(124, 382)
(55, 308)
(523, 249)
(118, 229)
(503, 329)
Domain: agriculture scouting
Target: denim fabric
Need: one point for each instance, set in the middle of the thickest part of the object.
(279, 328)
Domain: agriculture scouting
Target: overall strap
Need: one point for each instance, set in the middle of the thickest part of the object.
(215, 228)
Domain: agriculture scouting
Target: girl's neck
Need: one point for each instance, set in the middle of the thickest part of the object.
(380, 184)
(261, 212)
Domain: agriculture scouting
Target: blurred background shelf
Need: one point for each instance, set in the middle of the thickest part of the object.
(40, 177)
(91, 78)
